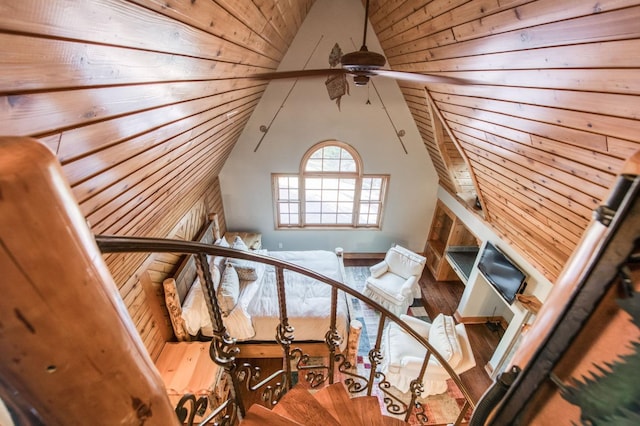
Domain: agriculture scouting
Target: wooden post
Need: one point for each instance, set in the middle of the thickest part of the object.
(353, 342)
(69, 352)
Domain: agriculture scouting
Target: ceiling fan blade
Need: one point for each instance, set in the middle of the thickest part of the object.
(422, 78)
(277, 75)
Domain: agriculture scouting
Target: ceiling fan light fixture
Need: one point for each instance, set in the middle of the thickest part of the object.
(360, 80)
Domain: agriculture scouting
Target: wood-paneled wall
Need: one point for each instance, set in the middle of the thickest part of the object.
(141, 102)
(554, 112)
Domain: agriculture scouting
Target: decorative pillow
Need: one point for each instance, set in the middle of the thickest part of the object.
(216, 275)
(245, 272)
(222, 242)
(245, 268)
(194, 309)
(228, 290)
(219, 260)
(444, 339)
(238, 244)
(172, 302)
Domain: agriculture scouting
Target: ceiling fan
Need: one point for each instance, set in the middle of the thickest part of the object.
(362, 64)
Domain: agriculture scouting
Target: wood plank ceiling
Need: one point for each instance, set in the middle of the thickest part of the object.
(553, 116)
(141, 102)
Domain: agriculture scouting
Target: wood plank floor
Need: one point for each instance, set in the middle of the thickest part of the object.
(443, 297)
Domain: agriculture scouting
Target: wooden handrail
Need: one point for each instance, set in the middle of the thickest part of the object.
(70, 353)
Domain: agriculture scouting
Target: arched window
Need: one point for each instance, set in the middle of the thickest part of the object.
(329, 191)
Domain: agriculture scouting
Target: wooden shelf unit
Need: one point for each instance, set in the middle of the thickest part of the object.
(446, 231)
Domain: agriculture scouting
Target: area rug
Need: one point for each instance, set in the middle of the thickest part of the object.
(440, 409)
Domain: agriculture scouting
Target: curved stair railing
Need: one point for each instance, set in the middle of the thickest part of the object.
(224, 351)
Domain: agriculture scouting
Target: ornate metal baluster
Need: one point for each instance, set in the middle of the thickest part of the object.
(223, 349)
(375, 356)
(393, 404)
(417, 388)
(198, 407)
(332, 338)
(251, 376)
(284, 332)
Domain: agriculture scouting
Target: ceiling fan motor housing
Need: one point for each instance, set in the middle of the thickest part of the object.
(362, 60)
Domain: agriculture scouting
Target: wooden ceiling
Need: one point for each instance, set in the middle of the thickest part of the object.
(142, 102)
(555, 113)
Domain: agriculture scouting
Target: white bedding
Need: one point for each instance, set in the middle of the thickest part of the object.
(256, 314)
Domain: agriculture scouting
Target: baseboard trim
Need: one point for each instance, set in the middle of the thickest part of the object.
(480, 320)
(364, 255)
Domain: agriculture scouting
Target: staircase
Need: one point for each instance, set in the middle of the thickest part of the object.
(330, 406)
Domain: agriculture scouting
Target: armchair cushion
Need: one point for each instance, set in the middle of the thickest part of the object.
(403, 262)
(378, 269)
(444, 339)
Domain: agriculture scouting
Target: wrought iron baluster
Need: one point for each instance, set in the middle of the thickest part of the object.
(284, 332)
(375, 356)
(416, 387)
(332, 337)
(223, 349)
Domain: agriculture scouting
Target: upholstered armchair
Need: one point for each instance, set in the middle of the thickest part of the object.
(403, 355)
(394, 281)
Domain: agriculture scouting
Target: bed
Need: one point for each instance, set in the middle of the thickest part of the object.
(247, 296)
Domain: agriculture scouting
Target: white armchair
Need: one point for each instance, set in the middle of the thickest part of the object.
(403, 355)
(394, 281)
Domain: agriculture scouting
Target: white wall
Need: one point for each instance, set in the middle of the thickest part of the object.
(481, 300)
(307, 117)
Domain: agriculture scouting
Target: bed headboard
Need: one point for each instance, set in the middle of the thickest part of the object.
(177, 287)
(186, 273)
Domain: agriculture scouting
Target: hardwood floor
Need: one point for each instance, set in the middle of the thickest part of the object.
(443, 297)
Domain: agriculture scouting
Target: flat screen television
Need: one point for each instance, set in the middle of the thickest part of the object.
(501, 273)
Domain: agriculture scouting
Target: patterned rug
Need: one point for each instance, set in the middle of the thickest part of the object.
(439, 409)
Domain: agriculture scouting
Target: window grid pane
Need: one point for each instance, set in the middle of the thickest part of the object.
(288, 200)
(333, 193)
(331, 159)
(336, 196)
(370, 201)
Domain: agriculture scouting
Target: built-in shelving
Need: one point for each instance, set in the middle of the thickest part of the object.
(461, 259)
(448, 232)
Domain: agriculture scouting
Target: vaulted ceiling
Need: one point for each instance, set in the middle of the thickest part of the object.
(135, 98)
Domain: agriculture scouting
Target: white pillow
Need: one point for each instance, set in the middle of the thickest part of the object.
(219, 260)
(222, 242)
(444, 339)
(228, 290)
(194, 309)
(246, 269)
(238, 244)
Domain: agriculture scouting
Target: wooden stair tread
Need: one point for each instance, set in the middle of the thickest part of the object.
(336, 400)
(332, 405)
(299, 405)
(392, 421)
(262, 416)
(367, 408)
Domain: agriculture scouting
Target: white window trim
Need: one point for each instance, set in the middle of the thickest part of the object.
(302, 174)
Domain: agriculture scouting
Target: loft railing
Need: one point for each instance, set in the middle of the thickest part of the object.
(224, 351)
